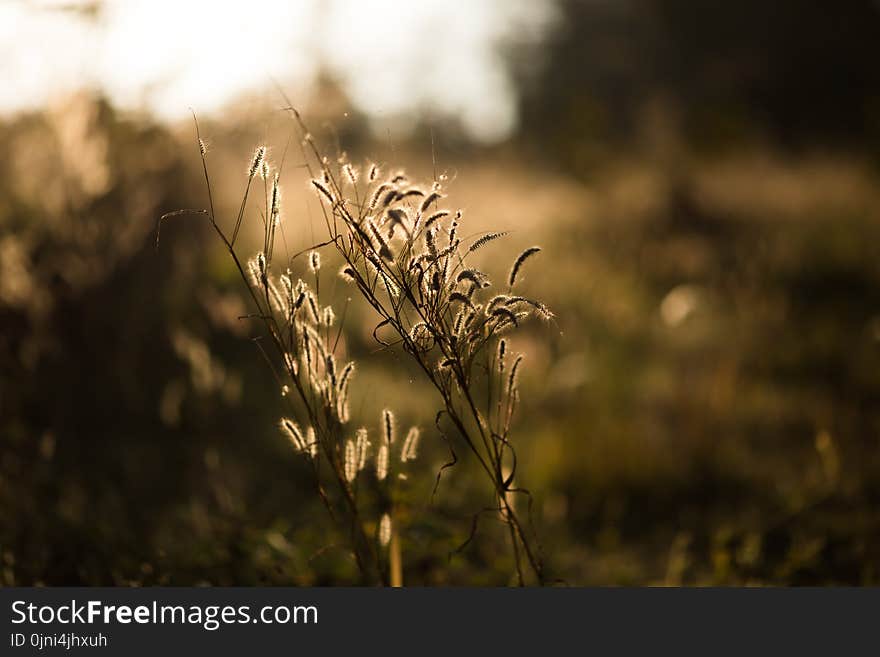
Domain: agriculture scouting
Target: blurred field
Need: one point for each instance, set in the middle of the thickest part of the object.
(706, 410)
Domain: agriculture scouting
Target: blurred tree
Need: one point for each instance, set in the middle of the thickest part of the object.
(798, 72)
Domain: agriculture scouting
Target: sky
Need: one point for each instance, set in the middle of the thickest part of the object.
(395, 59)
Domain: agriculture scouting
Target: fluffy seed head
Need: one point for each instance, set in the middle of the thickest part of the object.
(362, 446)
(257, 161)
(345, 378)
(518, 263)
(351, 173)
(437, 216)
(429, 199)
(484, 240)
(277, 298)
(350, 461)
(311, 442)
(292, 431)
(253, 269)
(314, 261)
(382, 463)
(385, 529)
(409, 451)
(321, 187)
(513, 379)
(276, 199)
(388, 426)
(504, 315)
(377, 194)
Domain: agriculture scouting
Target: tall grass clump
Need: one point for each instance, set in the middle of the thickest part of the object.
(402, 249)
(314, 378)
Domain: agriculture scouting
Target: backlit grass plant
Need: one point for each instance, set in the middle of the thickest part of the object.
(402, 249)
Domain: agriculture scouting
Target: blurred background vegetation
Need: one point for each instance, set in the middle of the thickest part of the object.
(703, 177)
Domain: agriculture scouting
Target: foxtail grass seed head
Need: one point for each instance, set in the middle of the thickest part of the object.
(412, 191)
(485, 239)
(253, 270)
(287, 284)
(410, 448)
(503, 316)
(350, 461)
(382, 463)
(458, 323)
(389, 285)
(387, 199)
(294, 435)
(342, 410)
(475, 276)
(362, 445)
(257, 161)
(430, 242)
(382, 245)
(518, 263)
(264, 169)
(307, 351)
(388, 426)
(330, 369)
(203, 147)
(502, 349)
(437, 216)
(300, 299)
(314, 261)
(373, 174)
(345, 377)
(377, 195)
(321, 187)
(433, 197)
(351, 173)
(329, 316)
(397, 216)
(277, 299)
(312, 442)
(276, 198)
(513, 379)
(385, 530)
(497, 301)
(313, 307)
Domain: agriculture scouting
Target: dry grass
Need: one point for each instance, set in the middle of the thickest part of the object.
(409, 260)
